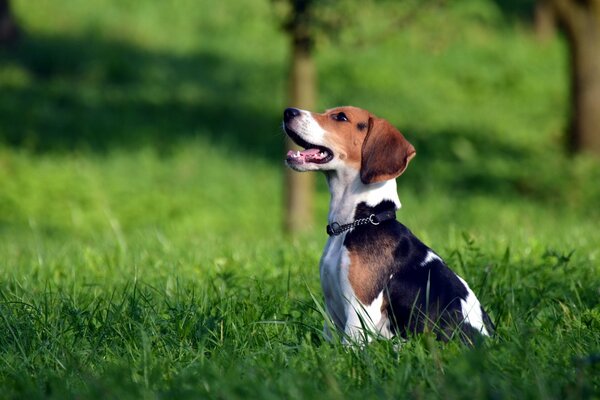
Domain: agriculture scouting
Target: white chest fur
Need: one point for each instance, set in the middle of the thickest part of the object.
(333, 280)
(348, 314)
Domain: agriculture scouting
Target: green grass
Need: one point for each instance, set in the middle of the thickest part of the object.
(140, 206)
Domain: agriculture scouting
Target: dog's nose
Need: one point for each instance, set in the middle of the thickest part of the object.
(290, 113)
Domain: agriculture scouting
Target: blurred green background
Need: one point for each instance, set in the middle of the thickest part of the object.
(141, 186)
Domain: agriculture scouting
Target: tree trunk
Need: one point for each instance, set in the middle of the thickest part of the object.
(9, 32)
(299, 187)
(585, 80)
(544, 20)
(581, 21)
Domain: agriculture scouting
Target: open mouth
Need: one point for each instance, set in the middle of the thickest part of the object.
(311, 154)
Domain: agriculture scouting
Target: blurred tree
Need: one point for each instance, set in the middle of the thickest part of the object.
(580, 19)
(299, 188)
(544, 20)
(9, 31)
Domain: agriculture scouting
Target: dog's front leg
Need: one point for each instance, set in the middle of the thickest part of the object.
(359, 324)
(365, 323)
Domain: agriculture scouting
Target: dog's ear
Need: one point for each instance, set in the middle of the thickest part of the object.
(385, 152)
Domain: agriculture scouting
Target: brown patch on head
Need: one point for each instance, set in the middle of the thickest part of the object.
(370, 270)
(345, 135)
(365, 142)
(385, 152)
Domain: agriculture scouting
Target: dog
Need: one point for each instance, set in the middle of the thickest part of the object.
(378, 279)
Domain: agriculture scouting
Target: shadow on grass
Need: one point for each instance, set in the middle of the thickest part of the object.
(61, 93)
(467, 161)
(64, 94)
(522, 9)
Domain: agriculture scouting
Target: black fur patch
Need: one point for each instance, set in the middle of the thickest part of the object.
(419, 297)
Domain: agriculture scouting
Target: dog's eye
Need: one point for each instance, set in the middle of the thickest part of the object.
(340, 117)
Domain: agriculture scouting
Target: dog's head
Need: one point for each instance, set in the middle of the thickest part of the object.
(347, 138)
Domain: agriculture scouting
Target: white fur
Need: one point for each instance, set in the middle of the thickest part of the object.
(431, 256)
(309, 129)
(471, 310)
(347, 191)
(331, 280)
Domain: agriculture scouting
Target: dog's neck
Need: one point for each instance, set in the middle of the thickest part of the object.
(347, 191)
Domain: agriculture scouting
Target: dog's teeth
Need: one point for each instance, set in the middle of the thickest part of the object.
(298, 153)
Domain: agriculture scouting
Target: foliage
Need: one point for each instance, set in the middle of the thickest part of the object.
(140, 169)
(348, 21)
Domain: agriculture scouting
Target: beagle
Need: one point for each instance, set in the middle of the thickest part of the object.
(378, 279)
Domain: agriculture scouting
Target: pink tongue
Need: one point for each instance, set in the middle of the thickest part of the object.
(310, 153)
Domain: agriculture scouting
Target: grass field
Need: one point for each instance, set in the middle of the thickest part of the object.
(140, 206)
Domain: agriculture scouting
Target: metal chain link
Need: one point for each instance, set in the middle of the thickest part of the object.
(335, 229)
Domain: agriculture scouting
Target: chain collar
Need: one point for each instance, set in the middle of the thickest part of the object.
(335, 229)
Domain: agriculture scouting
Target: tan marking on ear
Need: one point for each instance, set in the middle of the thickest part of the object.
(385, 152)
(369, 271)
